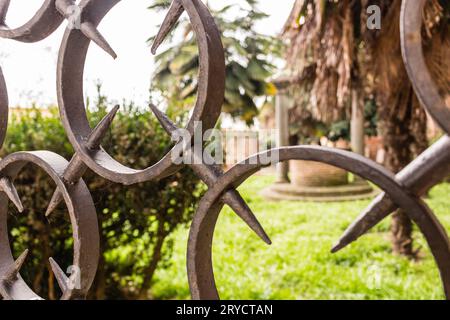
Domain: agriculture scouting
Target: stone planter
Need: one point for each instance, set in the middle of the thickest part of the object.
(316, 174)
(319, 182)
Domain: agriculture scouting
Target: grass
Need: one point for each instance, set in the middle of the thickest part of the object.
(299, 264)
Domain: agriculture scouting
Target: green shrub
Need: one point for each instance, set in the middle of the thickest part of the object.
(135, 221)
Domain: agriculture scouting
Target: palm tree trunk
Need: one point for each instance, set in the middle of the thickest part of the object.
(404, 135)
(401, 234)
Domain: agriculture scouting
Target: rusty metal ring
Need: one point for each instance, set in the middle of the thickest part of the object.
(199, 262)
(84, 227)
(46, 20)
(4, 109)
(71, 63)
(424, 86)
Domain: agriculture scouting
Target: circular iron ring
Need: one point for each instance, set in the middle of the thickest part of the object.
(412, 50)
(4, 109)
(82, 216)
(199, 253)
(71, 64)
(46, 20)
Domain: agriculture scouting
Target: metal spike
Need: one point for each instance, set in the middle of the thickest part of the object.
(379, 209)
(8, 188)
(90, 31)
(74, 171)
(61, 278)
(76, 168)
(209, 174)
(234, 200)
(4, 5)
(164, 120)
(175, 11)
(12, 273)
(54, 202)
(99, 132)
(427, 170)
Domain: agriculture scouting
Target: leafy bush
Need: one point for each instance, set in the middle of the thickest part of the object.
(135, 221)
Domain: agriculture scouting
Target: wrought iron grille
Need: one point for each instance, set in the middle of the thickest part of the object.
(402, 190)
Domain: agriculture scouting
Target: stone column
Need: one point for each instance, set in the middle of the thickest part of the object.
(357, 124)
(357, 128)
(282, 125)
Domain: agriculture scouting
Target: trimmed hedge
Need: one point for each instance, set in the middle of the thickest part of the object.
(136, 221)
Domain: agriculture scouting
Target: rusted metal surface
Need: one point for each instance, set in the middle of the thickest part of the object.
(426, 171)
(3, 108)
(46, 20)
(424, 86)
(211, 87)
(210, 174)
(403, 190)
(200, 271)
(431, 167)
(211, 90)
(76, 167)
(83, 219)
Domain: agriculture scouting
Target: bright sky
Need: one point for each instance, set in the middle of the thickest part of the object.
(30, 69)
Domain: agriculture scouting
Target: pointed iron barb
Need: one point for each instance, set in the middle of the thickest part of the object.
(14, 271)
(8, 188)
(66, 8)
(90, 31)
(173, 15)
(209, 174)
(76, 168)
(429, 169)
(61, 277)
(100, 130)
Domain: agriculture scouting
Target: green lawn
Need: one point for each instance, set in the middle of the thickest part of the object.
(299, 264)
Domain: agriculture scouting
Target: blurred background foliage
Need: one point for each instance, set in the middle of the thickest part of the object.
(338, 62)
(135, 221)
(248, 56)
(138, 223)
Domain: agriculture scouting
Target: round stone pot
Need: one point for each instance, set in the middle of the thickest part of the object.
(316, 174)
